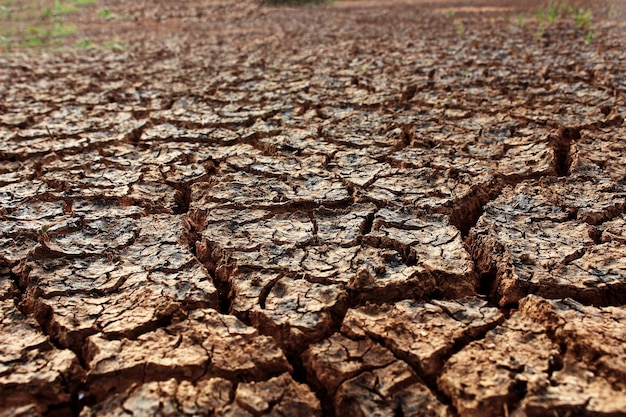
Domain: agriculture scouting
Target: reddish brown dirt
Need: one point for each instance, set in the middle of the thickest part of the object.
(398, 208)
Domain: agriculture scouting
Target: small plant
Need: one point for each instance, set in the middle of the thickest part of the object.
(60, 30)
(106, 14)
(541, 16)
(553, 11)
(60, 8)
(34, 36)
(43, 233)
(520, 21)
(449, 14)
(583, 19)
(460, 28)
(43, 230)
(85, 43)
(115, 45)
(540, 31)
(48, 23)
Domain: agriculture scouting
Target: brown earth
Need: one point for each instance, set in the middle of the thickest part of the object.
(405, 208)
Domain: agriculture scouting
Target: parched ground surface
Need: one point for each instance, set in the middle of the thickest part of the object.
(364, 209)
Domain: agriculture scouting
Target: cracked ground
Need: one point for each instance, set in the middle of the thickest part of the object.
(359, 209)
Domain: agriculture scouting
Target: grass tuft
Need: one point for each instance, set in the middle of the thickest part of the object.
(555, 10)
(45, 24)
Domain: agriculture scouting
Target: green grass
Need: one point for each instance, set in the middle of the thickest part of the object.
(84, 44)
(61, 7)
(105, 13)
(29, 24)
(582, 17)
(555, 11)
(112, 45)
(460, 28)
(35, 36)
(540, 31)
(46, 25)
(115, 45)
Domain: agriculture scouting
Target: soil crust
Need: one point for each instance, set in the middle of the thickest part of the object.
(397, 208)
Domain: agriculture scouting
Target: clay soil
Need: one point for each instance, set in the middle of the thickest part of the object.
(398, 208)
